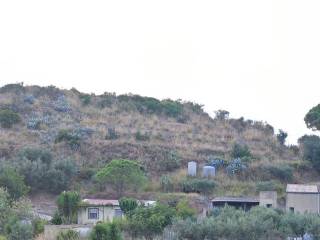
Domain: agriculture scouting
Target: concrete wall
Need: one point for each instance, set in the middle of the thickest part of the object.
(268, 198)
(303, 202)
(51, 231)
(106, 213)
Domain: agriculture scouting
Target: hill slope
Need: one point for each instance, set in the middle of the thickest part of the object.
(95, 129)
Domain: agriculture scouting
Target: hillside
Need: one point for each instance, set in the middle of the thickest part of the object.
(94, 129)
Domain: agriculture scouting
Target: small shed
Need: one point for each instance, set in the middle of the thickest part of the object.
(245, 203)
(303, 198)
(192, 169)
(92, 211)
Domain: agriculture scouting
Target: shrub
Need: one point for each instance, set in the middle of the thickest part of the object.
(72, 139)
(102, 231)
(29, 99)
(85, 99)
(56, 219)
(128, 204)
(16, 229)
(8, 118)
(13, 182)
(311, 149)
(282, 172)
(172, 108)
(216, 162)
(222, 115)
(142, 136)
(38, 226)
(68, 204)
(111, 134)
(203, 186)
(170, 162)
(240, 151)
(236, 167)
(184, 210)
(61, 105)
(68, 235)
(36, 154)
(166, 183)
(281, 136)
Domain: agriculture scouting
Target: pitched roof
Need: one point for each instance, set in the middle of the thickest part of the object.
(300, 188)
(101, 202)
(235, 199)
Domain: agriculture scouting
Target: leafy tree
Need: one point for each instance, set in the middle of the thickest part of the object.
(13, 182)
(5, 210)
(102, 231)
(281, 136)
(8, 118)
(122, 175)
(151, 221)
(16, 229)
(68, 203)
(222, 115)
(312, 118)
(128, 204)
(311, 149)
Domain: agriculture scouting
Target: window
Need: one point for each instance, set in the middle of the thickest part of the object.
(93, 213)
(291, 209)
(269, 205)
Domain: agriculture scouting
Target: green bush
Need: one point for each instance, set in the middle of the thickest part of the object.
(184, 210)
(142, 136)
(69, 137)
(310, 146)
(128, 204)
(68, 235)
(203, 186)
(170, 161)
(85, 99)
(36, 154)
(240, 151)
(68, 204)
(103, 231)
(38, 226)
(281, 172)
(13, 182)
(8, 118)
(166, 183)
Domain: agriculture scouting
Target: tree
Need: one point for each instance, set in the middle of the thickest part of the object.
(128, 204)
(222, 115)
(151, 221)
(240, 151)
(312, 118)
(311, 149)
(68, 203)
(13, 182)
(122, 175)
(184, 211)
(8, 118)
(5, 210)
(281, 136)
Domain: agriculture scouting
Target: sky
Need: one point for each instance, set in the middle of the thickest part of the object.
(259, 59)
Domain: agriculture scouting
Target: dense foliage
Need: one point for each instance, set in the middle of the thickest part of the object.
(312, 118)
(311, 149)
(122, 175)
(68, 204)
(257, 224)
(8, 118)
(103, 231)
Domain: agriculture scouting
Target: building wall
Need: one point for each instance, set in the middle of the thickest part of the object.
(106, 213)
(303, 202)
(268, 198)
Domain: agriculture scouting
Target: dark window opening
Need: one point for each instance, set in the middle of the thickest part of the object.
(269, 205)
(291, 209)
(93, 213)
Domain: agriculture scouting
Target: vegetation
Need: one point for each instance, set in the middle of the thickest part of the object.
(203, 186)
(68, 203)
(122, 175)
(259, 223)
(68, 235)
(8, 118)
(312, 118)
(311, 149)
(110, 231)
(128, 204)
(281, 136)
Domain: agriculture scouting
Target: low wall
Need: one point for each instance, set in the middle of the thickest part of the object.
(51, 231)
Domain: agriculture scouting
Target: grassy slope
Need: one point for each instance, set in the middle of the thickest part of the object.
(196, 139)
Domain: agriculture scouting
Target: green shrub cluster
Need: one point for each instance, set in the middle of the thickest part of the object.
(142, 136)
(67, 136)
(110, 231)
(203, 186)
(8, 118)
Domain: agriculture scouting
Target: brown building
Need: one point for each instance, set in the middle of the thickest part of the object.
(303, 198)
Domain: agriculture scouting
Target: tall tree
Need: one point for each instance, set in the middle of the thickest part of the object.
(122, 175)
(312, 118)
(68, 203)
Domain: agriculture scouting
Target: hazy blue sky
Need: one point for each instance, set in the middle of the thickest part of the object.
(257, 59)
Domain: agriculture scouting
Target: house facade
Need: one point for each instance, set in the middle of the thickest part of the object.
(303, 198)
(92, 211)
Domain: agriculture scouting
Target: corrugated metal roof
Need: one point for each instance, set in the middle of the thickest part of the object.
(236, 199)
(101, 202)
(301, 188)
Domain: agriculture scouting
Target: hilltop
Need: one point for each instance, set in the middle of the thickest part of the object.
(162, 135)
